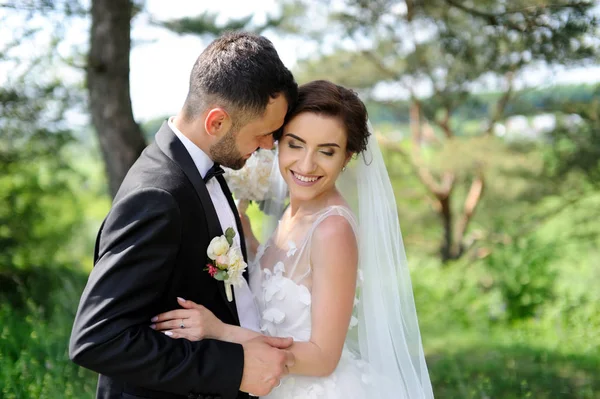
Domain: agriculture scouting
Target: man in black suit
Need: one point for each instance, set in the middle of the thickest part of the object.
(152, 246)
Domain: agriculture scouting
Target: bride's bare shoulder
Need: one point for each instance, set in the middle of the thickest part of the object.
(334, 232)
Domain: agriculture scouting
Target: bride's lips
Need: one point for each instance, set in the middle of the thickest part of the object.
(304, 183)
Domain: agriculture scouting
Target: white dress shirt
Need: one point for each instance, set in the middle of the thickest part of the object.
(244, 300)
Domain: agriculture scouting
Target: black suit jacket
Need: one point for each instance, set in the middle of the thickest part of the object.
(150, 250)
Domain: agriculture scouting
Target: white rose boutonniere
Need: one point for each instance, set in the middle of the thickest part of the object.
(228, 263)
(218, 247)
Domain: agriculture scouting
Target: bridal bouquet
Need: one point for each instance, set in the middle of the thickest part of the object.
(251, 183)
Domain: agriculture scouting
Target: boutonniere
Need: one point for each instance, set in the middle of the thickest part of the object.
(227, 261)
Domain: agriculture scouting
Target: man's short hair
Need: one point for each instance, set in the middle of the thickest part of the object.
(240, 72)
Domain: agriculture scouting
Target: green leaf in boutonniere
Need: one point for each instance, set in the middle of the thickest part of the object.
(229, 234)
(221, 275)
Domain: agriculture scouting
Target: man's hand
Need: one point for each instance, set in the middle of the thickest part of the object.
(266, 361)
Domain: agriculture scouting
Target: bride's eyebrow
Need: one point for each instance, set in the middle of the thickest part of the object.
(320, 145)
(296, 137)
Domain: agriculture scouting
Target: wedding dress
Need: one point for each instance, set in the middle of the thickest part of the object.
(383, 355)
(281, 280)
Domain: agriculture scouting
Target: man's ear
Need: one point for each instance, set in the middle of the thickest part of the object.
(217, 122)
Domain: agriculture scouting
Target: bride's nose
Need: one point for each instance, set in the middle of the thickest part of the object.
(307, 164)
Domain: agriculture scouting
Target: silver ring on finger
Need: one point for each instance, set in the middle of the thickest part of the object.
(278, 385)
(182, 325)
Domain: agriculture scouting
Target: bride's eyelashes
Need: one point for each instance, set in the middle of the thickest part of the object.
(292, 145)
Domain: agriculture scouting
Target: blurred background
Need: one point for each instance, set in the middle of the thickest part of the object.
(488, 112)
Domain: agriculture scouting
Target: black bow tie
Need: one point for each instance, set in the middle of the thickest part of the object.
(214, 171)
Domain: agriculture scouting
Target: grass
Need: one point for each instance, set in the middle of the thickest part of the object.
(37, 308)
(497, 365)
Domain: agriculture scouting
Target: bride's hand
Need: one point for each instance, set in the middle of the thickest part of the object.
(194, 322)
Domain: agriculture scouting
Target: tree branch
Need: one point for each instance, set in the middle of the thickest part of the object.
(471, 202)
(415, 122)
(379, 64)
(502, 102)
(440, 191)
(494, 19)
(444, 123)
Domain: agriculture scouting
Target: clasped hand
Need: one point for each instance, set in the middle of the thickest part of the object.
(194, 322)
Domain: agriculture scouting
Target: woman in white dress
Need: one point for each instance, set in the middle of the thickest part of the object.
(338, 286)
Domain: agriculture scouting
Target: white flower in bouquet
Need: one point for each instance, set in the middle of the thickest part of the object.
(251, 183)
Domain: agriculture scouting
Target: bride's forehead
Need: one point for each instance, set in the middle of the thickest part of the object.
(312, 126)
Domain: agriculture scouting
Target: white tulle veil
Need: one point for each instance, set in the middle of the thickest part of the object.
(275, 200)
(388, 331)
(387, 335)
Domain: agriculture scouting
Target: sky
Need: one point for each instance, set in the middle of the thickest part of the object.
(160, 68)
(161, 60)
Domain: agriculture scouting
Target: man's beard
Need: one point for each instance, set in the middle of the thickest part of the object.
(225, 152)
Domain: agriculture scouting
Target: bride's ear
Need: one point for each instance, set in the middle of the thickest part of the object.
(347, 160)
(217, 122)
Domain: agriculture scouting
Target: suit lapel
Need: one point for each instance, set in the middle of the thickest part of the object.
(168, 142)
(238, 222)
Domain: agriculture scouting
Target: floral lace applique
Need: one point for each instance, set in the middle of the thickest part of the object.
(304, 295)
(291, 249)
(273, 288)
(271, 318)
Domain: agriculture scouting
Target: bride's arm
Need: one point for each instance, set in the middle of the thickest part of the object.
(198, 323)
(334, 260)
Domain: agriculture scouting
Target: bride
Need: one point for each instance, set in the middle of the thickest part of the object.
(338, 285)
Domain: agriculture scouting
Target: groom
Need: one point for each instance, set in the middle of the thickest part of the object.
(152, 246)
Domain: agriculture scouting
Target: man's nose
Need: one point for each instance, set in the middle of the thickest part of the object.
(267, 142)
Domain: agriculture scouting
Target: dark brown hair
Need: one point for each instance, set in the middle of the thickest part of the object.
(325, 98)
(240, 71)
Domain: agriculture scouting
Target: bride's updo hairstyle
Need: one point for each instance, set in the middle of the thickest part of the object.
(325, 98)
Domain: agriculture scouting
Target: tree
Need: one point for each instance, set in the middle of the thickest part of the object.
(439, 53)
(107, 73)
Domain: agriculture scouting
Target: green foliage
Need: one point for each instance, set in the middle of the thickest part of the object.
(36, 315)
(475, 346)
(206, 23)
(562, 98)
(35, 178)
(523, 274)
(576, 142)
(203, 24)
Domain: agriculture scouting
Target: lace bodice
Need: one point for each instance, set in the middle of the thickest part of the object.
(281, 278)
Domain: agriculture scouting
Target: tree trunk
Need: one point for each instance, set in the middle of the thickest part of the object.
(121, 139)
(445, 213)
